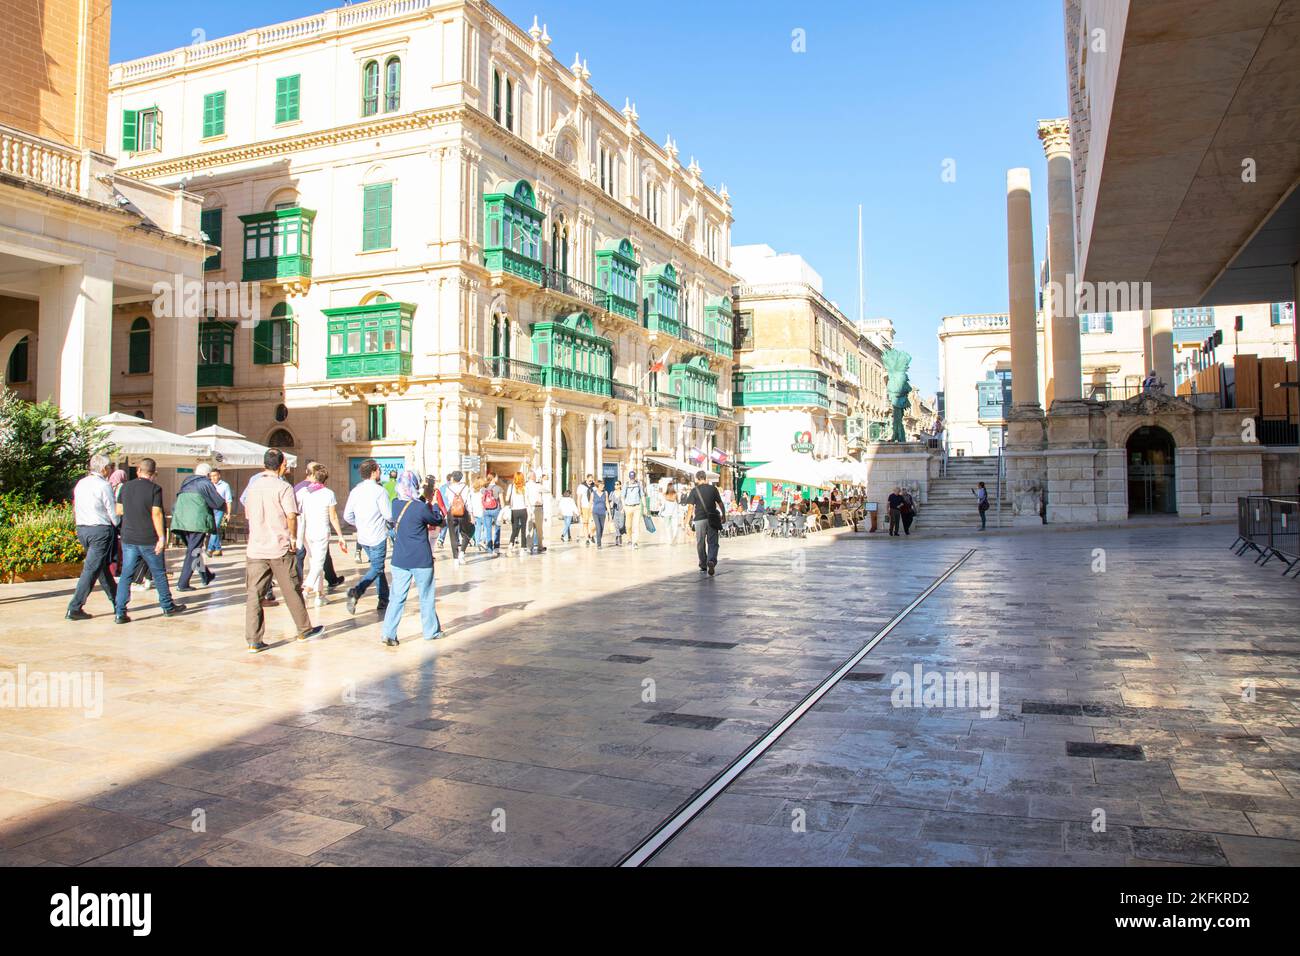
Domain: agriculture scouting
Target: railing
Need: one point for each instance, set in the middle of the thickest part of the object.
(661, 323)
(1270, 526)
(573, 288)
(626, 393)
(517, 370)
(664, 400)
(1276, 431)
(40, 160)
(696, 337)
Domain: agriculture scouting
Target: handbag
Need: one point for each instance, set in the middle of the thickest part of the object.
(392, 530)
(649, 522)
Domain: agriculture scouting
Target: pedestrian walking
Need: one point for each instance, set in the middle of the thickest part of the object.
(140, 506)
(907, 511)
(272, 530)
(94, 509)
(895, 504)
(568, 514)
(332, 578)
(982, 504)
(367, 510)
(219, 518)
(617, 513)
(633, 497)
(517, 502)
(197, 500)
(460, 523)
(707, 513)
(490, 501)
(318, 508)
(535, 495)
(413, 520)
(599, 511)
(671, 512)
(583, 498)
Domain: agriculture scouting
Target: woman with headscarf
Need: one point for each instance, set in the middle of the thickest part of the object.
(115, 481)
(318, 511)
(412, 558)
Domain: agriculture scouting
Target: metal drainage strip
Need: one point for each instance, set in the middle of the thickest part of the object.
(696, 805)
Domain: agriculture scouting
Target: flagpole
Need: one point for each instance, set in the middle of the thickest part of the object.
(861, 293)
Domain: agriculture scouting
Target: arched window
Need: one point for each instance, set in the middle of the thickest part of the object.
(280, 438)
(560, 245)
(392, 84)
(496, 96)
(370, 88)
(510, 105)
(140, 339)
(18, 361)
(274, 341)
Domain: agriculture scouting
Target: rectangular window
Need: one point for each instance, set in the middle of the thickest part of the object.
(286, 98)
(210, 225)
(377, 217)
(501, 423)
(205, 416)
(378, 422)
(510, 105)
(148, 130)
(214, 114)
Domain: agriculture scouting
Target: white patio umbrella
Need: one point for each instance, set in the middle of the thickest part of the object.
(685, 467)
(230, 449)
(792, 469)
(136, 438)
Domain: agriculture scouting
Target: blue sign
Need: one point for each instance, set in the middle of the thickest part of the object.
(385, 465)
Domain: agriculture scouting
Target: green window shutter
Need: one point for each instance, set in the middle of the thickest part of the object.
(377, 217)
(262, 342)
(205, 415)
(378, 422)
(210, 224)
(214, 114)
(138, 357)
(286, 98)
(129, 125)
(1110, 322)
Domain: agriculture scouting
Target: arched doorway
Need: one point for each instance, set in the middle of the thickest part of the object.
(1151, 489)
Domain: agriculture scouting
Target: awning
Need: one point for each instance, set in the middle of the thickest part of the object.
(135, 438)
(792, 469)
(685, 467)
(229, 449)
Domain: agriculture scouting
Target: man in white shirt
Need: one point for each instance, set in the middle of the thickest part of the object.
(458, 497)
(584, 508)
(535, 495)
(368, 511)
(94, 510)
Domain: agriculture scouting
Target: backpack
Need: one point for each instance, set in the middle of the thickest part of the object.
(490, 502)
(457, 508)
(191, 513)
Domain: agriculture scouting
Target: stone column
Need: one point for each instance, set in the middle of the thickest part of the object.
(1021, 286)
(600, 450)
(547, 434)
(589, 464)
(558, 460)
(1162, 346)
(1066, 370)
(74, 332)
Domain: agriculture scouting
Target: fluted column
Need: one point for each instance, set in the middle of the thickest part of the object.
(1021, 285)
(547, 434)
(600, 449)
(1067, 374)
(589, 457)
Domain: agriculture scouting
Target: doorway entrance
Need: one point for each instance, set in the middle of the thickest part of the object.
(1151, 489)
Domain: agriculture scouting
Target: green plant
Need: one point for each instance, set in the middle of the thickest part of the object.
(14, 504)
(45, 535)
(43, 454)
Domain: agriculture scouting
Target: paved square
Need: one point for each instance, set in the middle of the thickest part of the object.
(581, 697)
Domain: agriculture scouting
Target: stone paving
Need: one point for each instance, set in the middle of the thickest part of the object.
(580, 697)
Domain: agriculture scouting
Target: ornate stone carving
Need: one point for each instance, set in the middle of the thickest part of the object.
(1055, 134)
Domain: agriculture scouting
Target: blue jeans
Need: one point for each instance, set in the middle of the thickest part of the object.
(568, 523)
(377, 553)
(489, 535)
(132, 555)
(402, 578)
(214, 539)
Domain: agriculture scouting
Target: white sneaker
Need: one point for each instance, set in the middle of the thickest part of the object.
(140, 586)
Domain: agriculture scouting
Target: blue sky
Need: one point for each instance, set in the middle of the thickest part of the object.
(885, 93)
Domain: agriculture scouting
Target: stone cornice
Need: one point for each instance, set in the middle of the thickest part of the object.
(1055, 134)
(271, 148)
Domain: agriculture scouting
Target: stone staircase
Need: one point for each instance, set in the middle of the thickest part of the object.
(951, 505)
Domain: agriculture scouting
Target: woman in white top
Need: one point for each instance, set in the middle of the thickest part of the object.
(670, 511)
(318, 512)
(476, 511)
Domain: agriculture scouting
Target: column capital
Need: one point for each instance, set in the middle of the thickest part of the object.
(1055, 135)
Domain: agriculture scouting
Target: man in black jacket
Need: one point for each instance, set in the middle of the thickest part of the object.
(707, 511)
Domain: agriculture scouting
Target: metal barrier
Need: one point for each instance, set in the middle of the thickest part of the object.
(1270, 526)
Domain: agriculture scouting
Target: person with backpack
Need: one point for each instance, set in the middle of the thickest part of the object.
(633, 498)
(907, 510)
(490, 499)
(982, 504)
(413, 521)
(196, 500)
(456, 494)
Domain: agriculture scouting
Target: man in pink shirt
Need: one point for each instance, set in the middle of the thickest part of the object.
(272, 514)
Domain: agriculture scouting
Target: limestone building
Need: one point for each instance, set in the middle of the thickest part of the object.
(807, 378)
(464, 257)
(78, 240)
